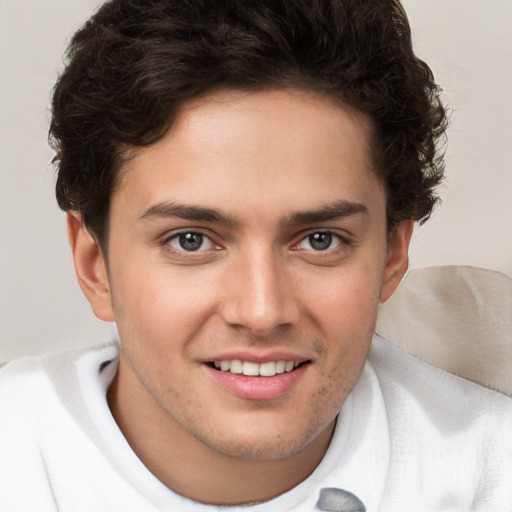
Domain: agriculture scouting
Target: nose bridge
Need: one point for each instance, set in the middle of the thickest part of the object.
(260, 294)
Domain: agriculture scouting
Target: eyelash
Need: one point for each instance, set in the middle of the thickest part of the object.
(343, 243)
(199, 252)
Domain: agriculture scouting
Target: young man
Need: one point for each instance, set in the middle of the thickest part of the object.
(241, 180)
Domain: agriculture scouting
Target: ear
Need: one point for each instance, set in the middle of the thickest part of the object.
(90, 267)
(397, 259)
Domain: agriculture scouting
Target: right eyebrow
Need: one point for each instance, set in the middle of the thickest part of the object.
(166, 210)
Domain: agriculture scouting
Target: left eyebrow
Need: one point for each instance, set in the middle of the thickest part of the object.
(333, 211)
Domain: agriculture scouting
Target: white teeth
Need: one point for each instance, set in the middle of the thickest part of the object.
(252, 369)
(267, 369)
(235, 366)
(280, 366)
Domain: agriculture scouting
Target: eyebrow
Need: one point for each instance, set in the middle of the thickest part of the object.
(336, 210)
(167, 210)
(333, 211)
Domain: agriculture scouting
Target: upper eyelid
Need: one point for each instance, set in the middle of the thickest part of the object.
(345, 243)
(186, 255)
(297, 238)
(344, 235)
(181, 231)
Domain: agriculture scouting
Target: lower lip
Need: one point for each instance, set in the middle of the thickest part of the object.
(257, 388)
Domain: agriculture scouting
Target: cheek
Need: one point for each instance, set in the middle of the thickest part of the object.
(348, 299)
(345, 313)
(160, 291)
(162, 309)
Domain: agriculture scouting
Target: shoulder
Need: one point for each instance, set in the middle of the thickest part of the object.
(42, 407)
(24, 374)
(404, 377)
(448, 436)
(32, 389)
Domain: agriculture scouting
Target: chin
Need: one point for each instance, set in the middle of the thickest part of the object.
(260, 441)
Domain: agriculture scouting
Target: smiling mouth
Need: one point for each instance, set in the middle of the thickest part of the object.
(252, 369)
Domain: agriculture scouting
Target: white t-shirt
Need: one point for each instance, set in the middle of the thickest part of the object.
(409, 437)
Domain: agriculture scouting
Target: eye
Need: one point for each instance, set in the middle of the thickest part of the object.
(190, 241)
(320, 241)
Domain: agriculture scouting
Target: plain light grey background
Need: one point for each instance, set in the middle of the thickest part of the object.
(468, 44)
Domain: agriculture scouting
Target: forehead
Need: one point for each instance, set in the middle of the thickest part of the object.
(232, 149)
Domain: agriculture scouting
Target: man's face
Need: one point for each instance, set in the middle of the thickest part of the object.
(251, 238)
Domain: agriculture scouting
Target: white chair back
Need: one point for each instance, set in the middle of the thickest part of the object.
(457, 318)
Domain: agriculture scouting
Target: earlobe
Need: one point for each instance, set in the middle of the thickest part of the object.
(397, 260)
(90, 267)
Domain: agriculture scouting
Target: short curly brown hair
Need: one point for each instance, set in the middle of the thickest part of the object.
(135, 62)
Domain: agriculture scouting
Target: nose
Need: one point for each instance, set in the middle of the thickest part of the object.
(260, 294)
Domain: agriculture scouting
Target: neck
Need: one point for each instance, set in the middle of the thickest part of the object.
(194, 470)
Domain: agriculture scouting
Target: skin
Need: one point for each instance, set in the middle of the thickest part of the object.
(271, 169)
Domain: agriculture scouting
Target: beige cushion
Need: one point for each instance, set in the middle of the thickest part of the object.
(457, 318)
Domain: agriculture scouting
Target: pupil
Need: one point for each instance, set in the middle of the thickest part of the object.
(191, 241)
(320, 241)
